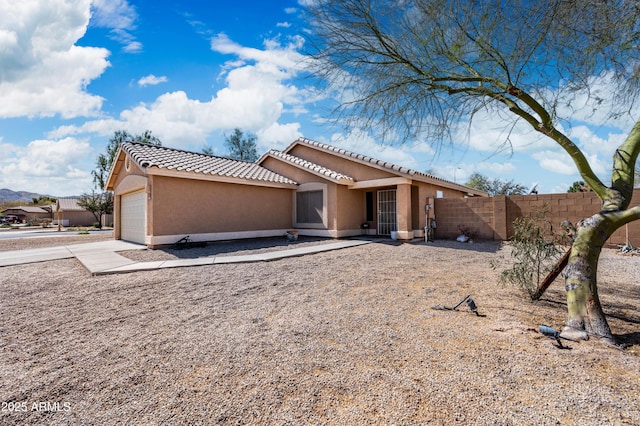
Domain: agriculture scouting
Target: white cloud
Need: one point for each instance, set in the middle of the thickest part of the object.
(258, 91)
(43, 72)
(556, 162)
(489, 132)
(595, 107)
(361, 142)
(496, 168)
(54, 167)
(120, 17)
(283, 24)
(422, 148)
(151, 80)
(278, 136)
(275, 56)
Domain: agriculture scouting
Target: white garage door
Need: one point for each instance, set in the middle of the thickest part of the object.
(133, 216)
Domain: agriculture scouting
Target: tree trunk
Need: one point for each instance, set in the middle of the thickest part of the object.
(585, 312)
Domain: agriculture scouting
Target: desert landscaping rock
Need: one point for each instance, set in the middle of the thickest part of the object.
(343, 337)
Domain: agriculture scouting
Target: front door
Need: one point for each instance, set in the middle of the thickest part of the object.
(387, 212)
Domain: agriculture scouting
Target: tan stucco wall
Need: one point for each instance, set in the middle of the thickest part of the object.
(76, 218)
(186, 206)
(351, 208)
(345, 207)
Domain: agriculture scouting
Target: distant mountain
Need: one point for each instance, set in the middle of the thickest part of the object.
(7, 195)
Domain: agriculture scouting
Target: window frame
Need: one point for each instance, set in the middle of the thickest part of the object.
(311, 187)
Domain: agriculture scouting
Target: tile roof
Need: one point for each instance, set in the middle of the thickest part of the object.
(312, 167)
(151, 156)
(380, 163)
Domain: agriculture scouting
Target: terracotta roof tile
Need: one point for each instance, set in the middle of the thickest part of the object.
(312, 167)
(381, 163)
(145, 155)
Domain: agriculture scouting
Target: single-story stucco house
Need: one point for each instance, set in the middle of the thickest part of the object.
(29, 213)
(69, 213)
(162, 194)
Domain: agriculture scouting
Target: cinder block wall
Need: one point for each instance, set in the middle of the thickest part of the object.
(492, 217)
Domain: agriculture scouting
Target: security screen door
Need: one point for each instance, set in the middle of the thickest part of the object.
(387, 212)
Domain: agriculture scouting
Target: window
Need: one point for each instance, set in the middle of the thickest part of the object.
(369, 203)
(309, 205)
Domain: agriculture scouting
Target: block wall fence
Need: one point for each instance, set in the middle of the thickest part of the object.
(492, 217)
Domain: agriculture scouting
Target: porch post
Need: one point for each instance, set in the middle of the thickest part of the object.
(403, 202)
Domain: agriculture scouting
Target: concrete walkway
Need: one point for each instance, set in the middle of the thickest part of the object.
(101, 258)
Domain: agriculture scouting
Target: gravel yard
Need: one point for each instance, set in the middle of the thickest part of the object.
(346, 337)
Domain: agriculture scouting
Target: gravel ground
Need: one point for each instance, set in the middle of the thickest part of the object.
(346, 337)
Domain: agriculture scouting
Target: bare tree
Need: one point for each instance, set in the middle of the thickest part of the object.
(418, 67)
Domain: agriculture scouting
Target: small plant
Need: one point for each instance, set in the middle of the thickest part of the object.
(83, 232)
(534, 251)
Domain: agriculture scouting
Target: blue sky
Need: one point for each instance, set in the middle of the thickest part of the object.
(74, 71)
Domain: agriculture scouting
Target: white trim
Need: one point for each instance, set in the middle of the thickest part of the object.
(375, 183)
(164, 240)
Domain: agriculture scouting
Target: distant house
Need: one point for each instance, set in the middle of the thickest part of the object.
(29, 213)
(69, 213)
(163, 194)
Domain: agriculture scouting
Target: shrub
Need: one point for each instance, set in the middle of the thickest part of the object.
(534, 251)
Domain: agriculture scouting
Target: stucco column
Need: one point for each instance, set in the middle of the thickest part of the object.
(403, 204)
(116, 216)
(500, 226)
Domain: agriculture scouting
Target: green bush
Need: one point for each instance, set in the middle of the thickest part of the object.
(535, 250)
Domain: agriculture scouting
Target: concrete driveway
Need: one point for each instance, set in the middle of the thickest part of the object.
(100, 258)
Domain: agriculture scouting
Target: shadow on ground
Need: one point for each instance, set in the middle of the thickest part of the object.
(239, 246)
(628, 339)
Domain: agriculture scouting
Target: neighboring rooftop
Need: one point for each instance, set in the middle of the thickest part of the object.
(68, 205)
(28, 209)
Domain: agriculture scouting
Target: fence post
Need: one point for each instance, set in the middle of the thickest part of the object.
(500, 228)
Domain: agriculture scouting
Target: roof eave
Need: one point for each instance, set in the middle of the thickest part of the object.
(417, 176)
(339, 180)
(117, 165)
(181, 174)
